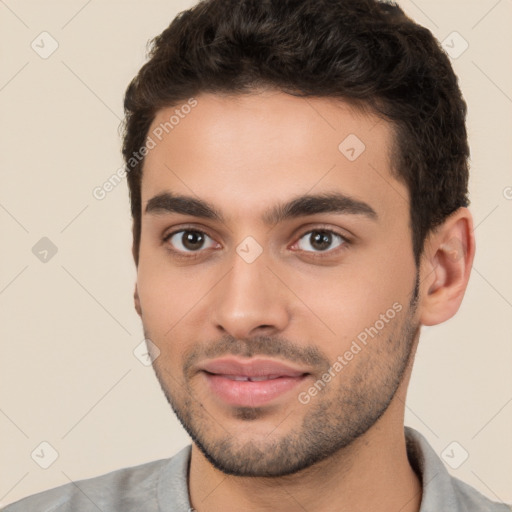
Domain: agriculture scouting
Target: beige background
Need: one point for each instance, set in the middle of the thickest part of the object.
(68, 373)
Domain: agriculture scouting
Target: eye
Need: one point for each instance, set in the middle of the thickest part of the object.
(320, 240)
(189, 240)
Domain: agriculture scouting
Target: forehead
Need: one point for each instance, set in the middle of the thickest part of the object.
(253, 150)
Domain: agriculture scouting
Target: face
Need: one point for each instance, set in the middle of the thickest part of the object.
(276, 276)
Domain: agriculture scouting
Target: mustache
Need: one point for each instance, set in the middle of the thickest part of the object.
(270, 346)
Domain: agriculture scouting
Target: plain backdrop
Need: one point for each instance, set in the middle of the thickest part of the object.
(69, 376)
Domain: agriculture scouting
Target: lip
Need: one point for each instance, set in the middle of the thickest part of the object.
(255, 367)
(280, 379)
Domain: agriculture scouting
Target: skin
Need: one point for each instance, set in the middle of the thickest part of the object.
(294, 303)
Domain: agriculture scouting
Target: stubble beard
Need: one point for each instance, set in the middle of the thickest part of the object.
(342, 412)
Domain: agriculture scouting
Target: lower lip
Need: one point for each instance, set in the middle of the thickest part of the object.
(251, 394)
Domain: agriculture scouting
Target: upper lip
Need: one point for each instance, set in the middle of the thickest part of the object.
(255, 367)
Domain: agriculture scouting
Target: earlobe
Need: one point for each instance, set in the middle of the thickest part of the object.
(137, 301)
(446, 266)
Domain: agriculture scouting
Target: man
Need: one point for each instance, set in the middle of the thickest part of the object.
(298, 180)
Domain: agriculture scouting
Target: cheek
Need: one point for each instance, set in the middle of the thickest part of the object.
(161, 294)
(341, 310)
(169, 293)
(342, 302)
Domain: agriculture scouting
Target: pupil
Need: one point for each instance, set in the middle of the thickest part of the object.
(192, 240)
(321, 240)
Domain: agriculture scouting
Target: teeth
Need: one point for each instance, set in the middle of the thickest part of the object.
(250, 379)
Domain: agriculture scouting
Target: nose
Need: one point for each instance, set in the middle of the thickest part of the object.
(250, 300)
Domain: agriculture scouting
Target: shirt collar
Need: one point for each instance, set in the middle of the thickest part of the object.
(437, 489)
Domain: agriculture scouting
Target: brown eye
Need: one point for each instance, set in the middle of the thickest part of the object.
(188, 240)
(320, 240)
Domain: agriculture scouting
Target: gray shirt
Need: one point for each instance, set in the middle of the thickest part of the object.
(161, 486)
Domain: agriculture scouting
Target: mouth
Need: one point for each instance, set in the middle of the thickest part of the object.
(242, 378)
(252, 383)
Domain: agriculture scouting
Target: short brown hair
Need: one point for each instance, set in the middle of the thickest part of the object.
(363, 51)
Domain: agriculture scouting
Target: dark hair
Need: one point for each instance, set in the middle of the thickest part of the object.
(362, 51)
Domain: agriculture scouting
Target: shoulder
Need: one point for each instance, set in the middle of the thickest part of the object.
(442, 490)
(132, 488)
(473, 500)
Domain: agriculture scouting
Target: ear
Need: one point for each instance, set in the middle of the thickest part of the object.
(445, 267)
(137, 301)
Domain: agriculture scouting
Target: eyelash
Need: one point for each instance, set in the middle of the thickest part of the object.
(345, 242)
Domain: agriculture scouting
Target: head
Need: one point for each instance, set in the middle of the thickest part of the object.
(298, 182)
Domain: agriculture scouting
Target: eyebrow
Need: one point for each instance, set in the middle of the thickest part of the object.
(300, 206)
